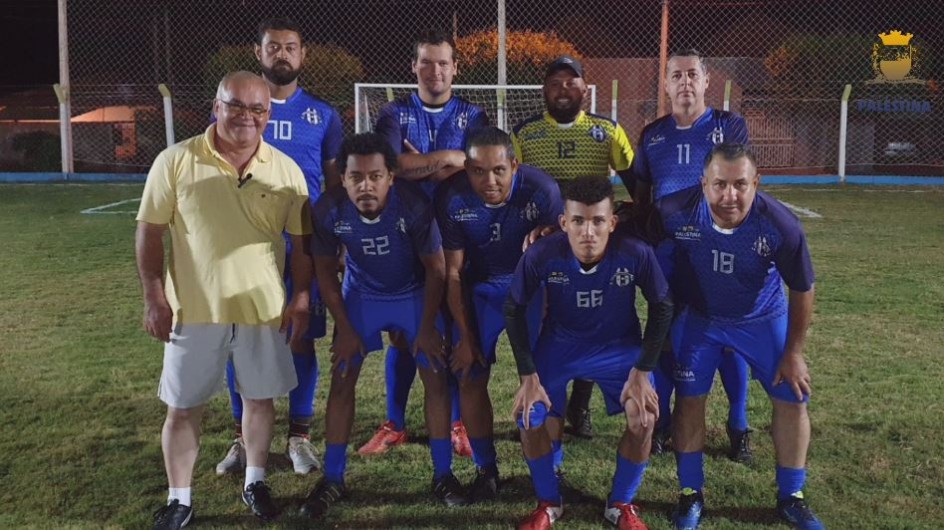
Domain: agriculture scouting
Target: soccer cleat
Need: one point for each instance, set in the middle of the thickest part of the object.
(542, 517)
(689, 510)
(302, 454)
(385, 438)
(173, 516)
(258, 497)
(321, 498)
(579, 420)
(235, 459)
(660, 442)
(624, 516)
(448, 490)
(460, 440)
(485, 485)
(794, 510)
(740, 446)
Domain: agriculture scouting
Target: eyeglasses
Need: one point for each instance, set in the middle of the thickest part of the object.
(239, 108)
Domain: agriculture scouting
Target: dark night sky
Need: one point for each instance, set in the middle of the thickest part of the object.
(29, 43)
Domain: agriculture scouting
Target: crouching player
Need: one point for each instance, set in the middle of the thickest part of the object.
(394, 280)
(731, 249)
(590, 331)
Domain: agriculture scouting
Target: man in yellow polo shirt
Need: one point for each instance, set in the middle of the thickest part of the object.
(568, 143)
(225, 196)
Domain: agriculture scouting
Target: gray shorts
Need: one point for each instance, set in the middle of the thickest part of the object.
(195, 363)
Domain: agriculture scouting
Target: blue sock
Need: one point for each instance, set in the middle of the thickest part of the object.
(626, 479)
(401, 370)
(441, 450)
(454, 392)
(734, 373)
(789, 481)
(664, 388)
(301, 399)
(691, 470)
(335, 461)
(544, 479)
(557, 448)
(234, 398)
(483, 452)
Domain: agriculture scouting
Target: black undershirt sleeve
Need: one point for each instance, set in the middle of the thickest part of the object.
(516, 325)
(658, 324)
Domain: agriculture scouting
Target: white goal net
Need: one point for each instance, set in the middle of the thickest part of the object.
(506, 105)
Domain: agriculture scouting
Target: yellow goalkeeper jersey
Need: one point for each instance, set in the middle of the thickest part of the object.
(591, 145)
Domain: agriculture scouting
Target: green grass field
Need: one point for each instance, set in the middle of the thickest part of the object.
(79, 431)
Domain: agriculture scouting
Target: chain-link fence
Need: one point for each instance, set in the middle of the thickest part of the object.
(788, 62)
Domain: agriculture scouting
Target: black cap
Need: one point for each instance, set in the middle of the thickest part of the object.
(564, 62)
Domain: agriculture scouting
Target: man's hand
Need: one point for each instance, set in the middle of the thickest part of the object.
(529, 393)
(639, 391)
(158, 318)
(793, 370)
(464, 356)
(430, 342)
(296, 314)
(347, 345)
(534, 235)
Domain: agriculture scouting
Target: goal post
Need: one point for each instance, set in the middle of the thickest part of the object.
(506, 105)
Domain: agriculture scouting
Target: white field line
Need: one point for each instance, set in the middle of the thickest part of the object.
(101, 210)
(802, 212)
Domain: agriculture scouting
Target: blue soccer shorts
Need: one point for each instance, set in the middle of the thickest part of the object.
(699, 344)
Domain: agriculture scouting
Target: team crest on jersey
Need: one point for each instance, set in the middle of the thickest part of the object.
(622, 277)
(761, 247)
(688, 233)
(462, 120)
(656, 139)
(465, 214)
(598, 133)
(716, 136)
(343, 227)
(311, 116)
(530, 212)
(406, 118)
(401, 225)
(558, 278)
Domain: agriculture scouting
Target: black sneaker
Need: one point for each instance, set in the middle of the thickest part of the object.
(740, 446)
(321, 498)
(173, 516)
(660, 442)
(448, 490)
(579, 420)
(258, 497)
(485, 485)
(689, 510)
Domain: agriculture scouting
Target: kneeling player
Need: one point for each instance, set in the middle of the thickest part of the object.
(732, 247)
(590, 331)
(394, 280)
(485, 213)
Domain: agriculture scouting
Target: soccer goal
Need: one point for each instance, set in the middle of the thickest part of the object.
(506, 105)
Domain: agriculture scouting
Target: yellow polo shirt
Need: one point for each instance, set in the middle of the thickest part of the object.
(591, 145)
(227, 249)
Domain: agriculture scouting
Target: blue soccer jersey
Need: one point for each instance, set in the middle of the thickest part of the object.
(383, 254)
(734, 275)
(491, 236)
(671, 158)
(596, 306)
(307, 129)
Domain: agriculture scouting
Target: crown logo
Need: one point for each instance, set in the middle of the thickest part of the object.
(895, 38)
